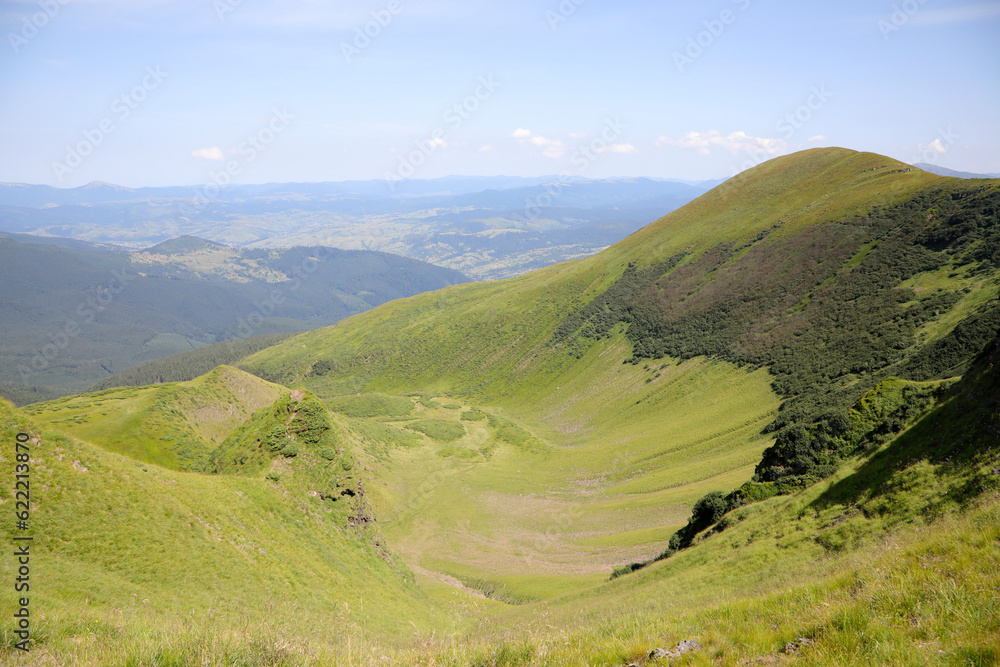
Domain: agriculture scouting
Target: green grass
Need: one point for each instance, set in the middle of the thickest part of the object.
(372, 405)
(537, 466)
(176, 425)
(438, 429)
(127, 551)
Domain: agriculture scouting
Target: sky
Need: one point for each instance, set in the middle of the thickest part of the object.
(187, 92)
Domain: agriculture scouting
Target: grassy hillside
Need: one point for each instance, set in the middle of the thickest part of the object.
(175, 425)
(135, 564)
(780, 400)
(893, 560)
(754, 317)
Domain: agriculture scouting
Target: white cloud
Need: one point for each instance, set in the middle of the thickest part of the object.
(816, 137)
(624, 149)
(437, 142)
(935, 146)
(577, 135)
(485, 149)
(704, 142)
(213, 153)
(554, 148)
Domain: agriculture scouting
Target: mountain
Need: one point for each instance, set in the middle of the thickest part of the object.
(763, 429)
(486, 227)
(726, 343)
(943, 171)
(75, 313)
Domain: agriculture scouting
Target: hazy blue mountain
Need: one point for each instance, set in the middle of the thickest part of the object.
(72, 313)
(486, 227)
(944, 171)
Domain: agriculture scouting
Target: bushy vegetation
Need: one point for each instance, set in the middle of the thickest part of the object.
(438, 429)
(822, 310)
(287, 427)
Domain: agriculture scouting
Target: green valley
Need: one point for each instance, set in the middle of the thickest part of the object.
(767, 423)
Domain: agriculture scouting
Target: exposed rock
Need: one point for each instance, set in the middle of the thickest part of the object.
(793, 647)
(683, 647)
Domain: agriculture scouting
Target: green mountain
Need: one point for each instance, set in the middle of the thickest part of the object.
(74, 315)
(768, 423)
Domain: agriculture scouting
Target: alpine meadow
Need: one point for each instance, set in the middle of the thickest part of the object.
(763, 429)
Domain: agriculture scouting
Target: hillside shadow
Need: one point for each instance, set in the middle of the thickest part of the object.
(954, 459)
(958, 437)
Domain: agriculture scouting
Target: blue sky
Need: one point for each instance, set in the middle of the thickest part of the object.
(150, 92)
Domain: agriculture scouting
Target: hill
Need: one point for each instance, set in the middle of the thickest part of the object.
(127, 554)
(74, 315)
(751, 321)
(766, 423)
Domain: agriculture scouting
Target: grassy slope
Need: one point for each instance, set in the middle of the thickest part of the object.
(894, 560)
(175, 425)
(136, 564)
(583, 462)
(633, 446)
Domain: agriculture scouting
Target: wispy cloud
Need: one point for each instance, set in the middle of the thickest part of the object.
(816, 137)
(736, 142)
(213, 153)
(624, 149)
(554, 148)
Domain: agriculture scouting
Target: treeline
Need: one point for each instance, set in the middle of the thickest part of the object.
(21, 395)
(188, 365)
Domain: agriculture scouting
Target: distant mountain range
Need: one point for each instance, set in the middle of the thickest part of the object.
(73, 313)
(943, 171)
(486, 227)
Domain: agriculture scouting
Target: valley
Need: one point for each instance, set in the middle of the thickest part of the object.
(510, 472)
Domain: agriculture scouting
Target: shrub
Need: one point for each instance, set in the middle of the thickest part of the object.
(328, 453)
(272, 476)
(291, 450)
(709, 509)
